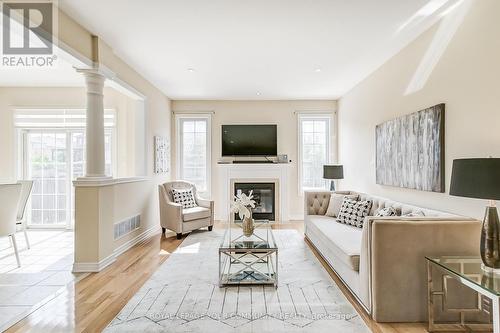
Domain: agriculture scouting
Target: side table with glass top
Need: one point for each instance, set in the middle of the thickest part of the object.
(248, 260)
(467, 271)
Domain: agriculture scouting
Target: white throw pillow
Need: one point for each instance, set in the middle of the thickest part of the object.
(354, 212)
(335, 203)
(387, 211)
(184, 197)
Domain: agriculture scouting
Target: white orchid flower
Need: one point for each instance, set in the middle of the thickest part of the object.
(246, 200)
(241, 203)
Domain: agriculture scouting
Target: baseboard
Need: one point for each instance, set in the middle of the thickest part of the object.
(94, 267)
(136, 240)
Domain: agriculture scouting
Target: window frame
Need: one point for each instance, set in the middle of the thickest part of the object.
(179, 119)
(308, 116)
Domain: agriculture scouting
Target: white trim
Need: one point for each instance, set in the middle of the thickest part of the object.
(295, 217)
(330, 125)
(136, 240)
(206, 116)
(99, 182)
(88, 267)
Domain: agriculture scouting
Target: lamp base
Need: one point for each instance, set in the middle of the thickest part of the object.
(490, 239)
(332, 185)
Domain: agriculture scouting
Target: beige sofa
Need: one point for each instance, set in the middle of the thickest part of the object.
(383, 263)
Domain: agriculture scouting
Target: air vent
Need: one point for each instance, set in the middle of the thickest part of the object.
(126, 226)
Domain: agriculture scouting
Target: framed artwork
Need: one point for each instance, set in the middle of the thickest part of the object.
(410, 151)
(162, 154)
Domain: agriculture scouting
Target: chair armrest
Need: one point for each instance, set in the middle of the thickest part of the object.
(392, 261)
(204, 202)
(170, 212)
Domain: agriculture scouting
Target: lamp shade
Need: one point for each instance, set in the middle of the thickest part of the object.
(476, 178)
(333, 172)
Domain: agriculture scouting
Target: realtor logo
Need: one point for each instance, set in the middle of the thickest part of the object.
(27, 34)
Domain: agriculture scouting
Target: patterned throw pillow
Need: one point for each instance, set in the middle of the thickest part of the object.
(184, 197)
(387, 211)
(354, 212)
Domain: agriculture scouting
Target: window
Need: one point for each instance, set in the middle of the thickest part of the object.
(193, 150)
(53, 155)
(314, 150)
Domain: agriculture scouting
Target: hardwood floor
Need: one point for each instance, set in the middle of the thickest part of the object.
(90, 304)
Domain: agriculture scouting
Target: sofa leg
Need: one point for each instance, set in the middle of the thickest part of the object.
(163, 231)
(179, 236)
(210, 227)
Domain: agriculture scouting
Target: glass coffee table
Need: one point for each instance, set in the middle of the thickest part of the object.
(248, 260)
(467, 271)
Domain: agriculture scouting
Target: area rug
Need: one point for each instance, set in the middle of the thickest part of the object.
(183, 295)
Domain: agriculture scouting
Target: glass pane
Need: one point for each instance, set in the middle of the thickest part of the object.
(188, 126)
(307, 126)
(194, 152)
(315, 135)
(47, 167)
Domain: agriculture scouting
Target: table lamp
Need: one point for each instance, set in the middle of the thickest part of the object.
(333, 172)
(480, 178)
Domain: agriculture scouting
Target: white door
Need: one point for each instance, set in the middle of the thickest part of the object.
(53, 159)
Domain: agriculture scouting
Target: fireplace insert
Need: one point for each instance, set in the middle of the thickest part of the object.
(264, 196)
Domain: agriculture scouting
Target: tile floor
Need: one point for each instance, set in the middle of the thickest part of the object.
(45, 271)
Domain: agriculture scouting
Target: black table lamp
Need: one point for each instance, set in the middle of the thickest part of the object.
(333, 172)
(480, 178)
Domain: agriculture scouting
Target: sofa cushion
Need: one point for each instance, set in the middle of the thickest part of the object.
(335, 203)
(354, 212)
(344, 240)
(195, 213)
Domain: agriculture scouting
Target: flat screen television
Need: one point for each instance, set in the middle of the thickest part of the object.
(249, 140)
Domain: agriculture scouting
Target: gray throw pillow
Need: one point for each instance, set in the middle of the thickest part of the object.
(387, 211)
(335, 203)
(354, 212)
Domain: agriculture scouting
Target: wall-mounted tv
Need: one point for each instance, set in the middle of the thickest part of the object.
(249, 140)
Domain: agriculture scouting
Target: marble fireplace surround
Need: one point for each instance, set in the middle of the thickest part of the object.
(252, 173)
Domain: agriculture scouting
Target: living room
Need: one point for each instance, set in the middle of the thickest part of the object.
(241, 167)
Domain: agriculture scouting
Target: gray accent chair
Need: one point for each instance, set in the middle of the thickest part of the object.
(182, 220)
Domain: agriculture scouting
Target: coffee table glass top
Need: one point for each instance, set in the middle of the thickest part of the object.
(261, 239)
(469, 269)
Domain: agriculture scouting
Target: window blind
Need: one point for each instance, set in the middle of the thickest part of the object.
(57, 118)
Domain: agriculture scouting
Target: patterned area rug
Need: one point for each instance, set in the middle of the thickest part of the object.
(183, 295)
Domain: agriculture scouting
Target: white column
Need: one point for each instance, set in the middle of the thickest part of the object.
(95, 124)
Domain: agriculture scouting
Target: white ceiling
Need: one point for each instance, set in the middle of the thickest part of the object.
(259, 49)
(61, 75)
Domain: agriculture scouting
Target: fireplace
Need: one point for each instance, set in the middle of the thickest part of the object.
(264, 195)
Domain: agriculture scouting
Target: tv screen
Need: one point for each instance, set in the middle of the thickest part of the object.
(249, 140)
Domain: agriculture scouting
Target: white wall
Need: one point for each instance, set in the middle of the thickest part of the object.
(62, 97)
(466, 78)
(259, 112)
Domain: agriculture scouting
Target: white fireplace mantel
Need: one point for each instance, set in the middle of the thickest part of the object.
(271, 172)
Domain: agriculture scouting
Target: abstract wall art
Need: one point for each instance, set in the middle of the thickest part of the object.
(162, 154)
(410, 150)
